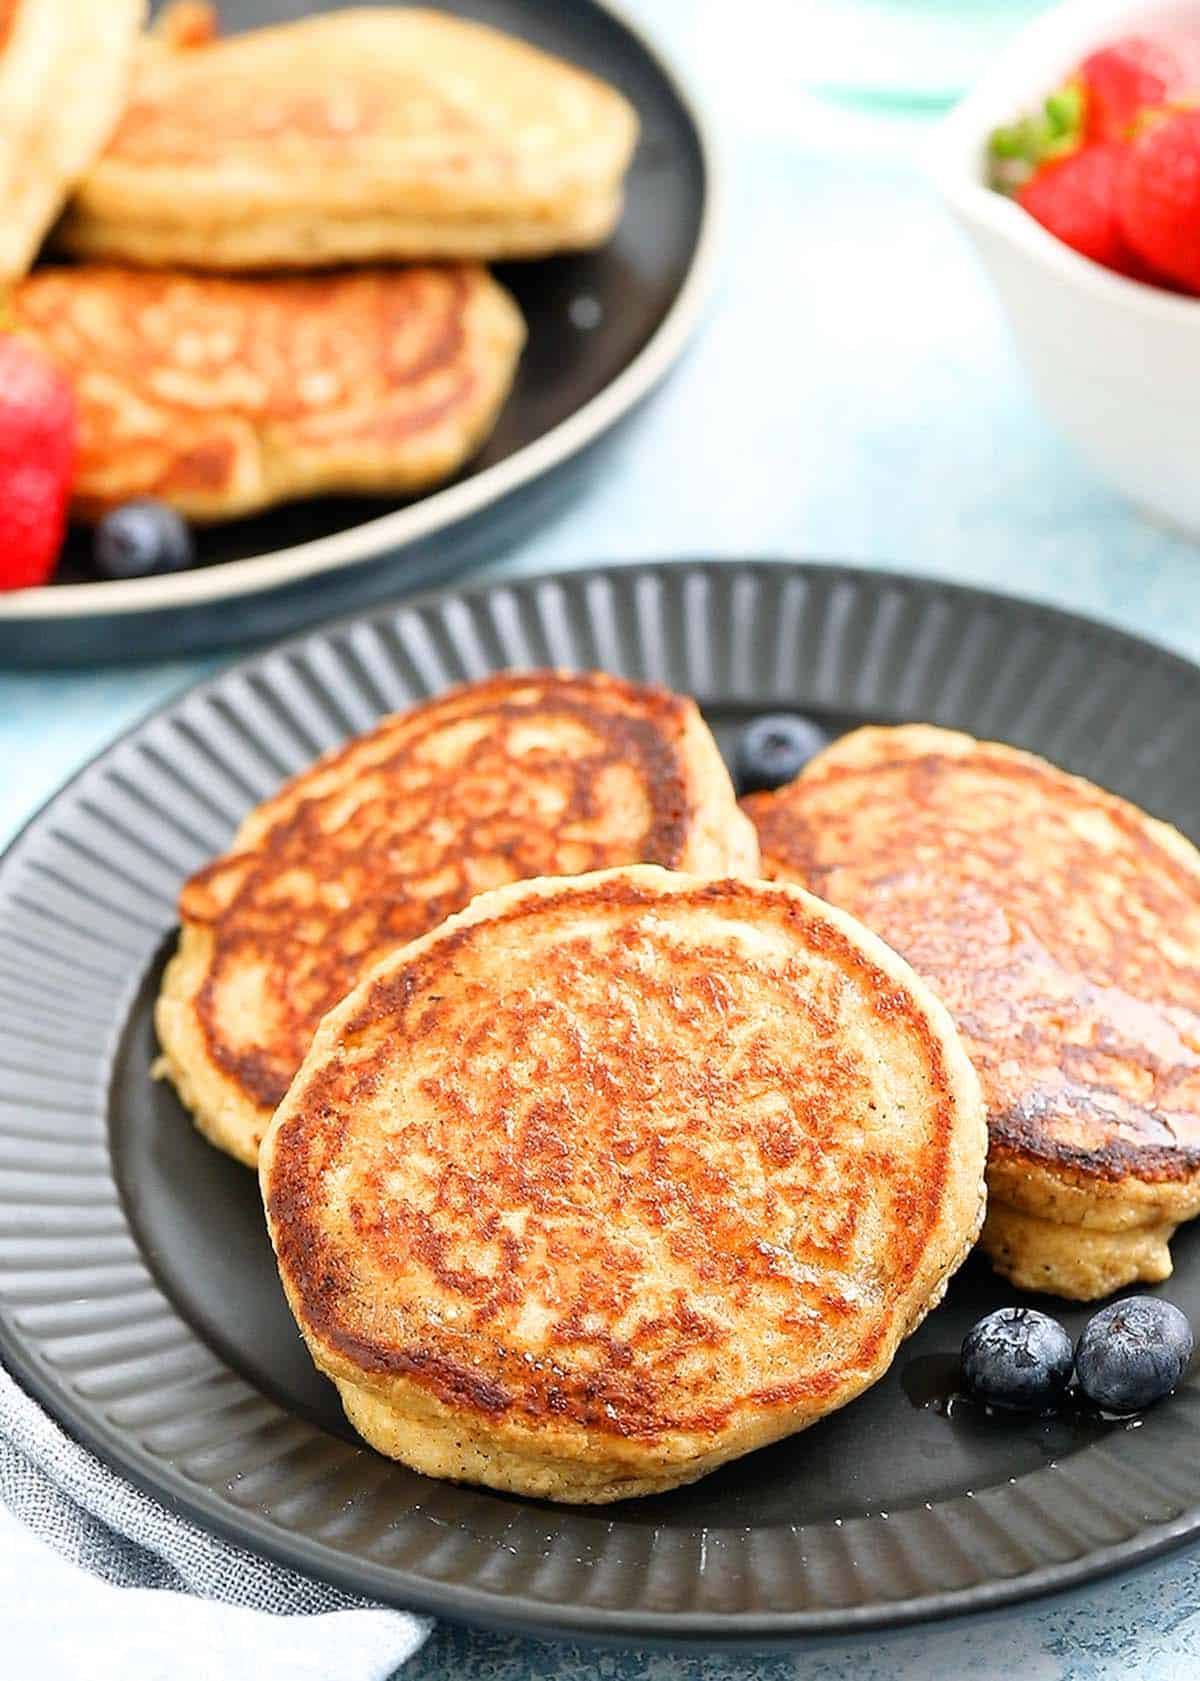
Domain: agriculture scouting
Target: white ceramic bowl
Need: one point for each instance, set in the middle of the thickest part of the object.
(1115, 363)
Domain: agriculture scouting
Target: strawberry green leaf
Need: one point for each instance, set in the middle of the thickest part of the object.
(1017, 150)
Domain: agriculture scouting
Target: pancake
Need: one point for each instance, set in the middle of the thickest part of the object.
(64, 70)
(1061, 925)
(605, 1182)
(355, 136)
(526, 774)
(223, 396)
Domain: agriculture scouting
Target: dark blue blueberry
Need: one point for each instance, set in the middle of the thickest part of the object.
(1019, 1358)
(141, 538)
(775, 748)
(1133, 1352)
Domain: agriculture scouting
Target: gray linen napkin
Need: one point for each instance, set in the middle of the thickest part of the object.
(98, 1579)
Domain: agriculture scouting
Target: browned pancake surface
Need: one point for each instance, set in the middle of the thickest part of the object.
(1059, 924)
(522, 775)
(234, 121)
(635, 1157)
(222, 395)
(415, 106)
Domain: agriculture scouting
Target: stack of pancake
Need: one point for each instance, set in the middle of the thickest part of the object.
(1061, 925)
(590, 1159)
(595, 1149)
(236, 324)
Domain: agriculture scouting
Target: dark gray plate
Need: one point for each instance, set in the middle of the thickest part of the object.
(138, 1298)
(604, 327)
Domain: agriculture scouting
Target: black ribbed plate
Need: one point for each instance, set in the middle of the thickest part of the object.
(138, 1298)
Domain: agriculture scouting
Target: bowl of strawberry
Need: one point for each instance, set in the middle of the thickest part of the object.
(1075, 168)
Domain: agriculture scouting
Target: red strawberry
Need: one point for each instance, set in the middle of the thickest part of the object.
(1125, 79)
(1158, 196)
(1075, 198)
(37, 462)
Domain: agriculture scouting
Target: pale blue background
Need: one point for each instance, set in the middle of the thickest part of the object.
(853, 396)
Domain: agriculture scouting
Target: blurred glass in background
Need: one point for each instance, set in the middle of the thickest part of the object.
(914, 53)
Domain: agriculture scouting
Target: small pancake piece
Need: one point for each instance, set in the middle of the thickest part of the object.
(64, 71)
(521, 775)
(394, 133)
(1061, 925)
(224, 396)
(607, 1181)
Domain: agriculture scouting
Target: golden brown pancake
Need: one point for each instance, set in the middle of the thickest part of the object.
(521, 775)
(607, 1181)
(64, 70)
(223, 396)
(1061, 925)
(355, 136)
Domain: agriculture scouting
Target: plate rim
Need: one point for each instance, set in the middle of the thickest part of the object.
(518, 1612)
(443, 509)
(1144, 647)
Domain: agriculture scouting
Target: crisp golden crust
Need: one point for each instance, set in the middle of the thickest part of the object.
(64, 71)
(388, 133)
(1062, 927)
(223, 396)
(606, 1181)
(521, 775)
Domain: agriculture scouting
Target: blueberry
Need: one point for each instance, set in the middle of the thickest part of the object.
(774, 749)
(141, 538)
(1133, 1352)
(1018, 1358)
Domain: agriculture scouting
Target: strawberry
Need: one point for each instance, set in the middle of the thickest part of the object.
(1158, 196)
(37, 462)
(1019, 149)
(1103, 100)
(1121, 81)
(1075, 198)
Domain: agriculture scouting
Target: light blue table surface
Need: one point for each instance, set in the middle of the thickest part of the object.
(853, 396)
